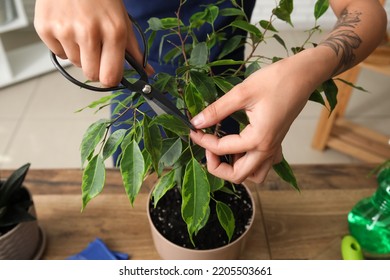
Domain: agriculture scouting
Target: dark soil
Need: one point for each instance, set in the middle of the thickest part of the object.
(168, 220)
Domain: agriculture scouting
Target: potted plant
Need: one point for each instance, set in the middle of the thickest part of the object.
(204, 202)
(20, 236)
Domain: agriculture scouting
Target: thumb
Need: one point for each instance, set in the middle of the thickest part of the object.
(220, 109)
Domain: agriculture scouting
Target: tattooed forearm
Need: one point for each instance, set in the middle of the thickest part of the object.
(344, 40)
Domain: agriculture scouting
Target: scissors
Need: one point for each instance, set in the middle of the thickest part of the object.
(156, 100)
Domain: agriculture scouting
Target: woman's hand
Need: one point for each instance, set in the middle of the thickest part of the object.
(272, 98)
(92, 34)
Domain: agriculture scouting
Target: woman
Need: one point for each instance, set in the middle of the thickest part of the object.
(93, 34)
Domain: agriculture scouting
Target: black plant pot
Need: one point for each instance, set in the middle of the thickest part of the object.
(25, 241)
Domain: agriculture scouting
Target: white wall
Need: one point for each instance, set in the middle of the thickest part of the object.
(302, 16)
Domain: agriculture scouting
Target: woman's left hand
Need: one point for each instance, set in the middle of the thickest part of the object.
(272, 98)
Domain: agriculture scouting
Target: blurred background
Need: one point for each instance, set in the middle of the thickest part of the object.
(38, 123)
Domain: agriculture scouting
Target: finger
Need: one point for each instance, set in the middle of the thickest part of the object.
(72, 52)
(229, 144)
(243, 168)
(259, 175)
(218, 168)
(90, 54)
(47, 36)
(55, 46)
(111, 62)
(229, 103)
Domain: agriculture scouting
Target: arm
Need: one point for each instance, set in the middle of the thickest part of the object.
(92, 34)
(273, 105)
(361, 26)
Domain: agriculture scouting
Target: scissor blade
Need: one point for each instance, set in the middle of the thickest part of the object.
(157, 101)
(155, 107)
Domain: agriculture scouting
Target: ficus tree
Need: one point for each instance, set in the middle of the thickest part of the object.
(166, 148)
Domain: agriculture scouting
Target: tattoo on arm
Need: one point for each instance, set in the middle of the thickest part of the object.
(344, 40)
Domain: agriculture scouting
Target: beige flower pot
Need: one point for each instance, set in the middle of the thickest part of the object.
(170, 251)
(26, 241)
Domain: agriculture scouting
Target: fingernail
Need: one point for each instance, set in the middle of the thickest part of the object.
(198, 120)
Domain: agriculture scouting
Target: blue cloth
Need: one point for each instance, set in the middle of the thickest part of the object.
(163, 8)
(98, 250)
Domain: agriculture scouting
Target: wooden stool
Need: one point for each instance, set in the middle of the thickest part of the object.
(334, 131)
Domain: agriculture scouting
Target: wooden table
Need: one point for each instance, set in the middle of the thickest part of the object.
(288, 224)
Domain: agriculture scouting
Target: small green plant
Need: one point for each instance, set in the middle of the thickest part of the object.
(179, 163)
(14, 200)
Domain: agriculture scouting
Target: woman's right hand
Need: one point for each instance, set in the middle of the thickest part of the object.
(92, 34)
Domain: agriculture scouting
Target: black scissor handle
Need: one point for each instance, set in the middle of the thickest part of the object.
(125, 83)
(70, 78)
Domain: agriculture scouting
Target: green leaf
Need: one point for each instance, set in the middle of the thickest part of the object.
(226, 218)
(241, 117)
(128, 138)
(330, 90)
(196, 197)
(351, 84)
(153, 142)
(198, 19)
(204, 85)
(151, 39)
(317, 97)
(215, 182)
(166, 83)
(113, 143)
(124, 104)
(164, 184)
(267, 25)
(231, 45)
(195, 151)
(223, 84)
(199, 55)
(171, 151)
(194, 100)
(229, 191)
(172, 54)
(132, 170)
(227, 12)
(285, 172)
(276, 59)
(147, 162)
(13, 184)
(224, 62)
(171, 22)
(91, 138)
(94, 176)
(244, 25)
(280, 41)
(103, 100)
(204, 221)
(253, 67)
(320, 8)
(212, 14)
(171, 123)
(284, 10)
(157, 24)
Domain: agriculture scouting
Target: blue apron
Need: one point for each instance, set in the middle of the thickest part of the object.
(167, 8)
